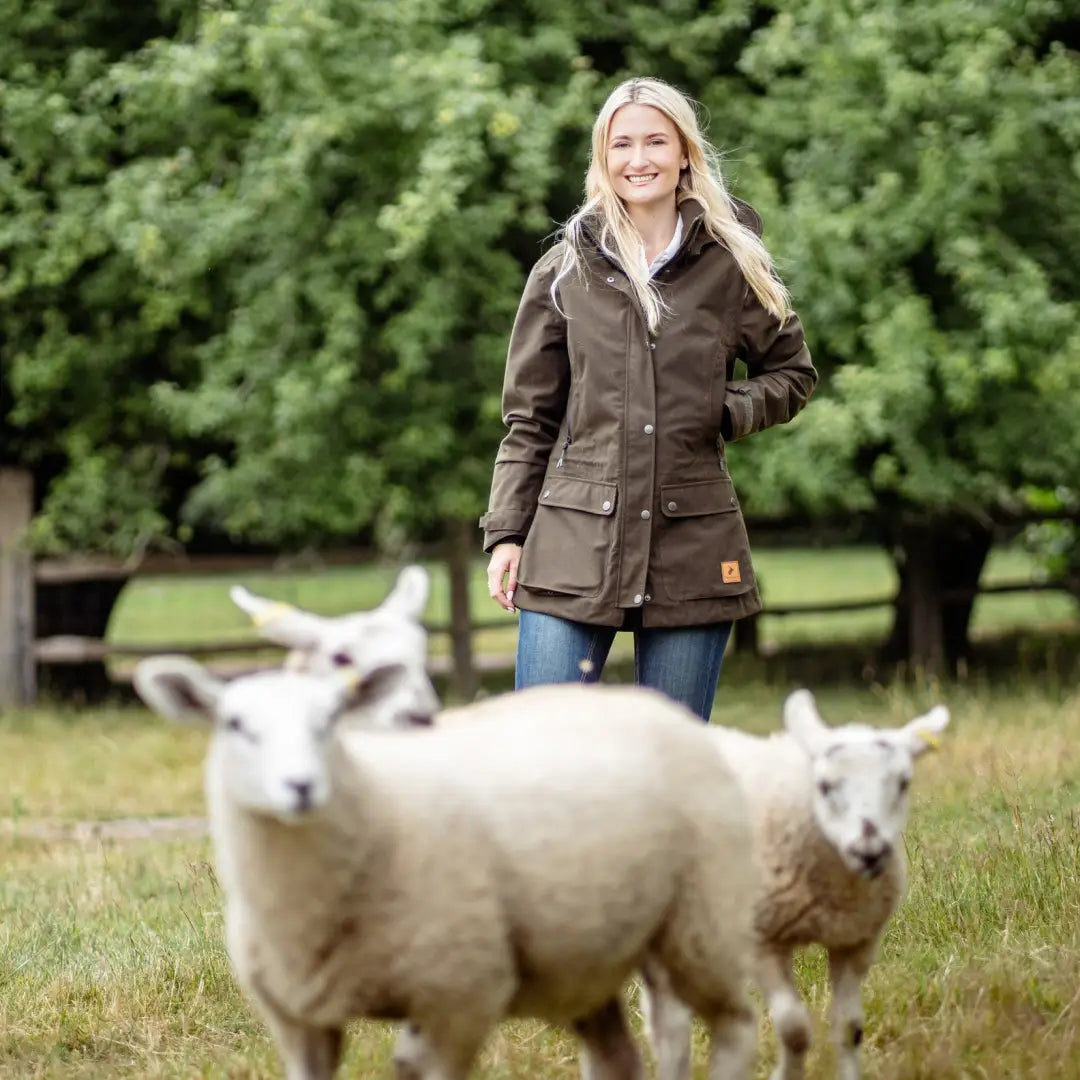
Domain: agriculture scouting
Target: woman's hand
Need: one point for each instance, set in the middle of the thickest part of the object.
(502, 574)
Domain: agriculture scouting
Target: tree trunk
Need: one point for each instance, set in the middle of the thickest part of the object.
(460, 547)
(939, 564)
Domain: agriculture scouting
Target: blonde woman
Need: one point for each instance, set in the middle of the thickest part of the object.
(611, 506)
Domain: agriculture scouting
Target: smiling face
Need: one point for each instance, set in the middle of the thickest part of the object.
(644, 156)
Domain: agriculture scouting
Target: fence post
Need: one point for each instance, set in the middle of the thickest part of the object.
(460, 548)
(17, 682)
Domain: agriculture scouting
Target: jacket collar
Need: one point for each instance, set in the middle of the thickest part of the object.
(695, 235)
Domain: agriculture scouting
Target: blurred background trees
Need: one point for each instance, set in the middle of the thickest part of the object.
(259, 260)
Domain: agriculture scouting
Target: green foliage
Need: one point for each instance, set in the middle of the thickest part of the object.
(259, 259)
(926, 158)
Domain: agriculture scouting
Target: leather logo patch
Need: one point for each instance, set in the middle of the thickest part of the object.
(729, 571)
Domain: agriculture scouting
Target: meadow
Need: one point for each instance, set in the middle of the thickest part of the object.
(171, 609)
(111, 956)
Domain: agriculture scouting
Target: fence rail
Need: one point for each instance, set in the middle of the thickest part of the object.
(23, 649)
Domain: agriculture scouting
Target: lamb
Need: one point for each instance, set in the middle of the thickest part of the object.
(827, 807)
(361, 641)
(521, 864)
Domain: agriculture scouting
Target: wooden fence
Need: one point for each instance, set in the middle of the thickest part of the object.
(23, 650)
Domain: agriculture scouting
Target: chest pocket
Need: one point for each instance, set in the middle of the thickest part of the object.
(702, 542)
(569, 544)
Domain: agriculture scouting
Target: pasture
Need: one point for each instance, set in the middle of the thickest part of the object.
(112, 963)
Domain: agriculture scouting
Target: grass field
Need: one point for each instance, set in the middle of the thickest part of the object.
(189, 610)
(112, 965)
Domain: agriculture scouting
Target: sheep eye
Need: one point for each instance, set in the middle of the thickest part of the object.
(341, 659)
(826, 787)
(234, 723)
(905, 783)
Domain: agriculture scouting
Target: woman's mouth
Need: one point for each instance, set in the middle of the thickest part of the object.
(639, 179)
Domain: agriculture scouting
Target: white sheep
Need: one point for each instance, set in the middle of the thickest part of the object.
(828, 807)
(522, 864)
(362, 642)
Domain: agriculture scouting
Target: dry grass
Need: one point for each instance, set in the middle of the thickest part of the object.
(112, 966)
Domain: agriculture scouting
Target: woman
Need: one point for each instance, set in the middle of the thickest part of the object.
(611, 505)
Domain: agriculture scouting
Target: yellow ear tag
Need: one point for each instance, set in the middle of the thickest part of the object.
(930, 739)
(350, 679)
(268, 615)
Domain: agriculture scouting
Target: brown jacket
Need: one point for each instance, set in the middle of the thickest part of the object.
(613, 469)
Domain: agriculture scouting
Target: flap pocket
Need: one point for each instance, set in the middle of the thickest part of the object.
(703, 497)
(573, 493)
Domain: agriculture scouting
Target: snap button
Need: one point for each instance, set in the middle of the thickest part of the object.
(648, 429)
(673, 505)
(606, 505)
(734, 501)
(652, 344)
(546, 494)
(645, 515)
(637, 599)
(647, 598)
(611, 281)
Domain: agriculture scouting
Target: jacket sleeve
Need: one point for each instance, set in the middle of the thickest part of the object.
(535, 390)
(781, 376)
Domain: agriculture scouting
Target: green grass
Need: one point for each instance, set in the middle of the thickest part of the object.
(112, 966)
(177, 610)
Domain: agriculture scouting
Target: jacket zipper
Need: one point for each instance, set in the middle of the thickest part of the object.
(566, 442)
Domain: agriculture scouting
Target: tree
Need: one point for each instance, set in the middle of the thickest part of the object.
(922, 160)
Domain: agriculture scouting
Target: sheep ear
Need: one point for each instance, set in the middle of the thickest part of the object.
(921, 734)
(279, 622)
(410, 593)
(802, 719)
(362, 691)
(177, 687)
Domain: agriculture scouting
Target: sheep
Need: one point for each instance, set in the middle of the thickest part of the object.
(852, 899)
(522, 864)
(360, 641)
(827, 808)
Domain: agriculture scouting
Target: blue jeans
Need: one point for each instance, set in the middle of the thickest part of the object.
(683, 662)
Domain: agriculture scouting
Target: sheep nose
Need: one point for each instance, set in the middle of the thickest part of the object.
(303, 790)
(872, 860)
(869, 829)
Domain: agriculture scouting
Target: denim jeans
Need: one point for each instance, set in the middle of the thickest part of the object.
(683, 662)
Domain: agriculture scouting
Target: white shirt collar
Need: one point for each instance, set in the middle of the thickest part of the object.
(668, 253)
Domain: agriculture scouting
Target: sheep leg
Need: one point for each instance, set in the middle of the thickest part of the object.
(790, 1017)
(847, 969)
(608, 1051)
(435, 1052)
(309, 1053)
(667, 1023)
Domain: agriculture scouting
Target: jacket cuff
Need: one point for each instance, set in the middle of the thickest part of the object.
(493, 539)
(739, 406)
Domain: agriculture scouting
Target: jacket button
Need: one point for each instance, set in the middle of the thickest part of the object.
(645, 515)
(734, 501)
(606, 505)
(546, 494)
(637, 599)
(673, 505)
(648, 429)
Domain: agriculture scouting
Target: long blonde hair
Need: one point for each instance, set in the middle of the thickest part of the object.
(701, 180)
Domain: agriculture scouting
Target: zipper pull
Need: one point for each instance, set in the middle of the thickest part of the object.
(562, 453)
